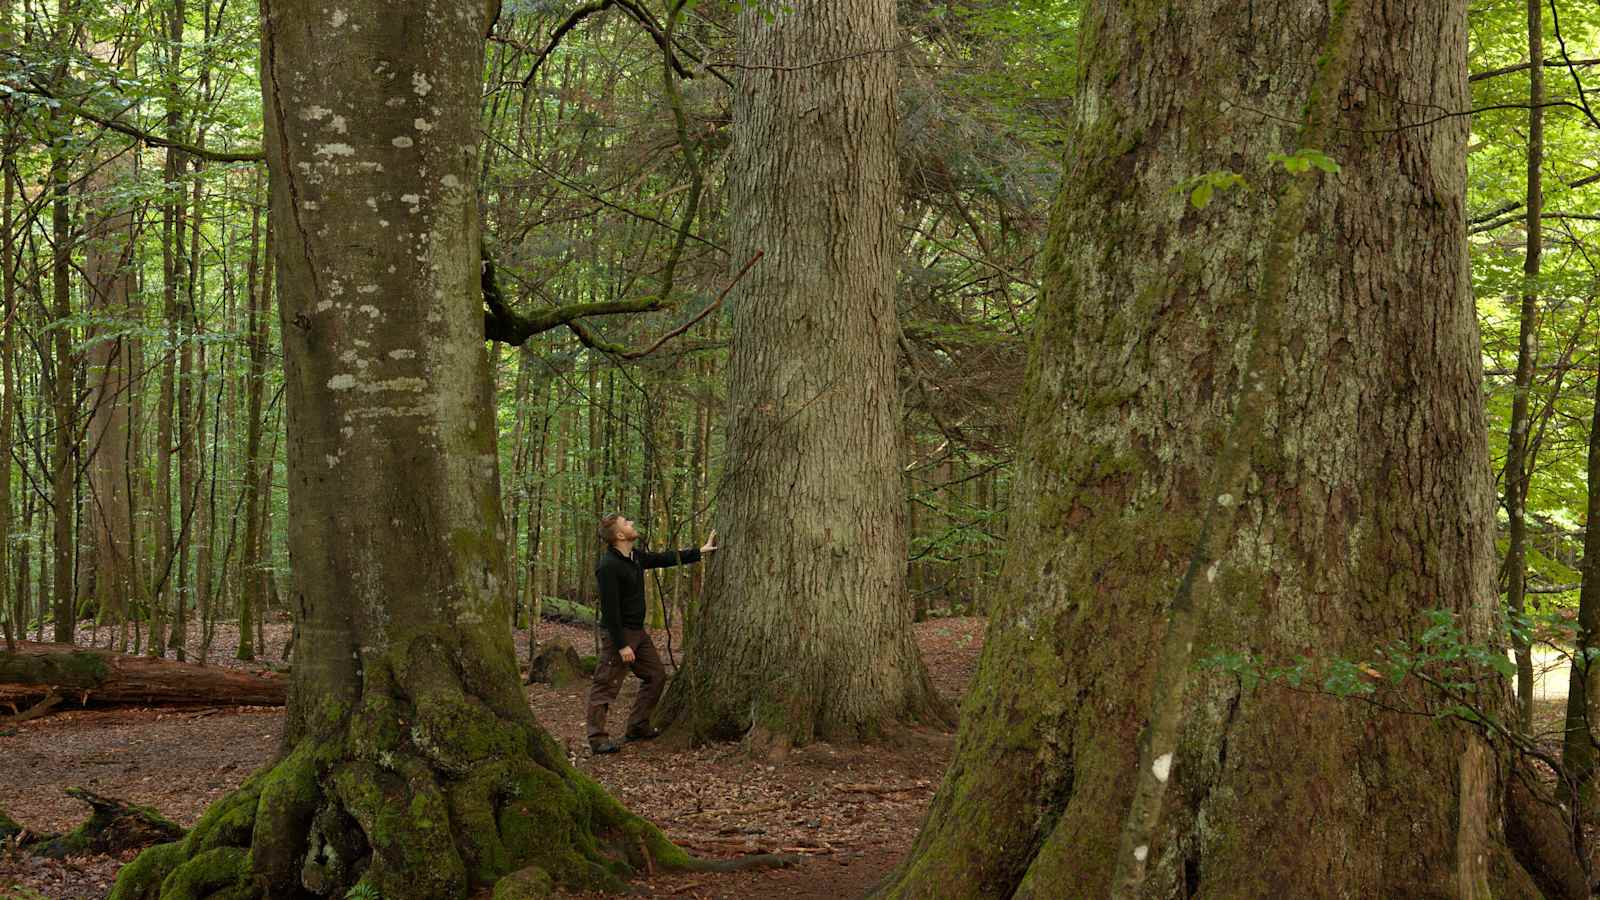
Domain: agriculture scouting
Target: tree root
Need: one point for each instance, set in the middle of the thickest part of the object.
(420, 793)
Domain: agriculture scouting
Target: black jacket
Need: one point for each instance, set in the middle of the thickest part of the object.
(621, 582)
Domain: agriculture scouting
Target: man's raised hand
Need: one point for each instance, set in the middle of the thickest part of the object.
(710, 545)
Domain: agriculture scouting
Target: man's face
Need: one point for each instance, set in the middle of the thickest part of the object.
(624, 529)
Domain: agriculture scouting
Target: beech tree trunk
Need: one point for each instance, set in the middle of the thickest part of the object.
(410, 762)
(1363, 495)
(112, 390)
(805, 629)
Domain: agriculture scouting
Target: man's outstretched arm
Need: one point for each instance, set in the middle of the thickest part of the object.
(651, 560)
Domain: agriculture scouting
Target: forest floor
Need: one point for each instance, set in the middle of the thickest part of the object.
(849, 812)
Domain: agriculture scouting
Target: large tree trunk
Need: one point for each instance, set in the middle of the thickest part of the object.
(410, 760)
(1317, 332)
(805, 628)
(112, 391)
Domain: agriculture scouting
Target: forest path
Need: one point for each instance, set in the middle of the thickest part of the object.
(850, 811)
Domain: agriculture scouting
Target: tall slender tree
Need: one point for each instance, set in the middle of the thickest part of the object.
(1253, 423)
(109, 366)
(805, 629)
(1517, 447)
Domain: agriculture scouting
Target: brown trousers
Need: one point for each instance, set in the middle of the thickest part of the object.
(608, 677)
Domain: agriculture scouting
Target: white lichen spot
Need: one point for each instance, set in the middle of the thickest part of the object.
(342, 382)
(1162, 767)
(370, 310)
(367, 289)
(412, 199)
(338, 18)
(419, 84)
(324, 306)
(1141, 851)
(383, 223)
(1225, 501)
(309, 204)
(347, 431)
(402, 354)
(422, 124)
(313, 113)
(450, 181)
(338, 124)
(402, 142)
(1211, 573)
(372, 203)
(395, 101)
(331, 150)
(332, 460)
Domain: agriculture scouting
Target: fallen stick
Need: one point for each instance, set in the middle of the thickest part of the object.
(878, 788)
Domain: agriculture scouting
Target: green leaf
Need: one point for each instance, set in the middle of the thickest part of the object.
(1201, 196)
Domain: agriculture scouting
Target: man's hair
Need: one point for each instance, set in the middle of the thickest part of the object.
(606, 530)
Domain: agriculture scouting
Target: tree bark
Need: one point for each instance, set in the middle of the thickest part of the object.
(804, 631)
(1583, 693)
(250, 564)
(14, 601)
(62, 406)
(1340, 342)
(1518, 463)
(410, 762)
(164, 595)
(112, 392)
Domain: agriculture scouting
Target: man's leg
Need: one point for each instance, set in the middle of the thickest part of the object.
(652, 681)
(603, 689)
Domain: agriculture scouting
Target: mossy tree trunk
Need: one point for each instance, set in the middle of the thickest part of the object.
(1364, 495)
(805, 627)
(410, 760)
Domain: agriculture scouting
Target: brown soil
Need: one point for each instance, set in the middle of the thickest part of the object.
(849, 812)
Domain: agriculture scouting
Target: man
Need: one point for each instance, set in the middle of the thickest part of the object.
(626, 645)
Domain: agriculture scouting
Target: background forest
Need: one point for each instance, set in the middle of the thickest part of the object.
(143, 499)
(136, 236)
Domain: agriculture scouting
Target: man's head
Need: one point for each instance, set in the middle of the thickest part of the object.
(615, 528)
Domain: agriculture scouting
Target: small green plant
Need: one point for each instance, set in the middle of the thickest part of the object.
(1202, 188)
(363, 891)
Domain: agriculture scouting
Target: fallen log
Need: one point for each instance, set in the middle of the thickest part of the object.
(113, 827)
(83, 677)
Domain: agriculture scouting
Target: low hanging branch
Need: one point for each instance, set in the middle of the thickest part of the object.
(114, 123)
(506, 325)
(503, 324)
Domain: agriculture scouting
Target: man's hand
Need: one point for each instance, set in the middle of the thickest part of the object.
(627, 654)
(710, 546)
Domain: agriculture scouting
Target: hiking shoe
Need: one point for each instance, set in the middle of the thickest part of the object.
(603, 746)
(643, 734)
